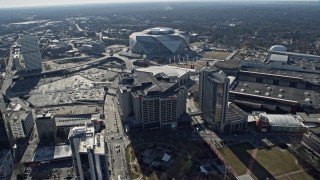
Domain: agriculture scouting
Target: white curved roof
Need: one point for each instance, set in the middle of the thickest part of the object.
(283, 120)
(278, 48)
(162, 30)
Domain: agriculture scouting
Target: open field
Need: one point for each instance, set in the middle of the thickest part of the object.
(216, 55)
(271, 162)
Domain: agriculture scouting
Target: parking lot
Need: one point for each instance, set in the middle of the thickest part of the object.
(66, 91)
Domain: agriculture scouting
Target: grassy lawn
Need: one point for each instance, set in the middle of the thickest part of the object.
(301, 175)
(297, 176)
(270, 162)
(277, 162)
(216, 55)
(237, 161)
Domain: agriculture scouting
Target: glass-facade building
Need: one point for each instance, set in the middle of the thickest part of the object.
(213, 98)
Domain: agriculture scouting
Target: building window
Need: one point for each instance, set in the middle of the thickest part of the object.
(293, 84)
(259, 80)
(275, 82)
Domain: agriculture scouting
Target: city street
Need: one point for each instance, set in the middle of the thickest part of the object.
(115, 138)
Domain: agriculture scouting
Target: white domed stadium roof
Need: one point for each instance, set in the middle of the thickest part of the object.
(160, 30)
(278, 48)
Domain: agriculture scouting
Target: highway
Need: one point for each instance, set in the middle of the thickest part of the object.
(129, 64)
(68, 58)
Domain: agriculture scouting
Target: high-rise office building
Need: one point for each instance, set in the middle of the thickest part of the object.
(6, 164)
(213, 98)
(6, 141)
(31, 53)
(89, 153)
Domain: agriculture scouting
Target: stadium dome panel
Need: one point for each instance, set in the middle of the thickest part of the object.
(159, 42)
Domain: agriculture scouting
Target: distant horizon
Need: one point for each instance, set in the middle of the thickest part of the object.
(11, 4)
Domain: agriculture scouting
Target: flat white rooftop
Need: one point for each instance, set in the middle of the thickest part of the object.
(50, 153)
(171, 71)
(285, 120)
(278, 58)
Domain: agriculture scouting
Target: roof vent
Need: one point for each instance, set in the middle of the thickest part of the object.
(307, 100)
(281, 90)
(242, 90)
(267, 94)
(245, 85)
(269, 88)
(257, 92)
(280, 96)
(266, 85)
(306, 93)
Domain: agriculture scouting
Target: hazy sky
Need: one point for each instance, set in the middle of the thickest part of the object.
(25, 3)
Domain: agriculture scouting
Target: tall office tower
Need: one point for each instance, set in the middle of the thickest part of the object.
(6, 164)
(89, 153)
(213, 98)
(6, 141)
(31, 53)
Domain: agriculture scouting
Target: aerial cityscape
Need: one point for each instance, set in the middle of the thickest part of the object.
(160, 90)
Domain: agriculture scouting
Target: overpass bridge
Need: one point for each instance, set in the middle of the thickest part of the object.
(78, 67)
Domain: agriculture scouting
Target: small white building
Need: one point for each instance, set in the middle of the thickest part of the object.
(276, 122)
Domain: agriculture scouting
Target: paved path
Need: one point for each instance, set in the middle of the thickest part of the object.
(290, 173)
(252, 160)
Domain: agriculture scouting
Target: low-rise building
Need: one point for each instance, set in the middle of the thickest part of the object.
(276, 122)
(46, 128)
(236, 119)
(311, 140)
(65, 123)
